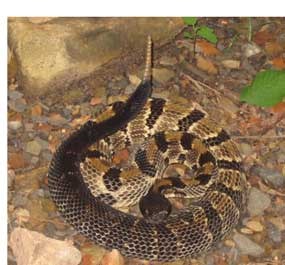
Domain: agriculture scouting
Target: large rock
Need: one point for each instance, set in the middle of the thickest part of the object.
(33, 248)
(52, 53)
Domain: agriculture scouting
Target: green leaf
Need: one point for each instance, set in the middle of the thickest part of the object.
(190, 21)
(267, 89)
(208, 34)
(188, 35)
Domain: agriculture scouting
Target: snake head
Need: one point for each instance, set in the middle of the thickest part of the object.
(155, 207)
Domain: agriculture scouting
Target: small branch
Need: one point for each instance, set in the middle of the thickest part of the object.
(258, 137)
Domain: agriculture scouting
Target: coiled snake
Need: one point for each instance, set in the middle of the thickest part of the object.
(86, 186)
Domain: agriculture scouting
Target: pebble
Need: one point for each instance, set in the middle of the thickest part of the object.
(14, 125)
(11, 177)
(19, 200)
(251, 49)
(232, 64)
(254, 226)
(247, 246)
(18, 105)
(33, 147)
(258, 201)
(135, 80)
(47, 155)
(13, 95)
(34, 160)
(166, 60)
(269, 175)
(246, 149)
(274, 233)
(162, 75)
(43, 143)
(57, 120)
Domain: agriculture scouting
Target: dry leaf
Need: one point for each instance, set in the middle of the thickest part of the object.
(95, 101)
(113, 258)
(279, 62)
(273, 48)
(87, 259)
(36, 110)
(207, 48)
(206, 65)
(278, 108)
(16, 160)
(262, 37)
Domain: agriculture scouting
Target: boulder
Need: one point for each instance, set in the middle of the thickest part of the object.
(51, 53)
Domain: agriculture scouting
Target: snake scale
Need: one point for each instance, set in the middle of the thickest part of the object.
(87, 188)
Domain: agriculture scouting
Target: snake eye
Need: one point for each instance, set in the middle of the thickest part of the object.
(155, 207)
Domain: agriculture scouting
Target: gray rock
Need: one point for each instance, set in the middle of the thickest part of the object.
(34, 160)
(247, 246)
(162, 75)
(274, 233)
(33, 147)
(13, 95)
(258, 201)
(18, 105)
(44, 67)
(47, 155)
(269, 175)
(14, 125)
(19, 199)
(43, 143)
(58, 121)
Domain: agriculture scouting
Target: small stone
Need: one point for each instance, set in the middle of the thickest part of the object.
(29, 127)
(229, 243)
(22, 215)
(135, 80)
(18, 105)
(162, 75)
(258, 201)
(34, 160)
(11, 177)
(165, 60)
(33, 147)
(274, 233)
(247, 246)
(246, 231)
(13, 95)
(269, 175)
(19, 200)
(47, 155)
(232, 64)
(254, 226)
(245, 149)
(14, 125)
(113, 258)
(57, 120)
(43, 143)
(251, 49)
(279, 222)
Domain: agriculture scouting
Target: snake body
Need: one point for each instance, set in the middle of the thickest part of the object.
(86, 186)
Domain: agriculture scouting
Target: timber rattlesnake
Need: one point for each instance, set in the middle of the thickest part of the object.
(83, 181)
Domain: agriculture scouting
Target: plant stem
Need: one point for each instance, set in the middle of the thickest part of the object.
(249, 37)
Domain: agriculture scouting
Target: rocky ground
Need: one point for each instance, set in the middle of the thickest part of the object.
(213, 77)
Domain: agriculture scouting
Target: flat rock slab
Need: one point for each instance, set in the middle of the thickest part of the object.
(33, 248)
(55, 52)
